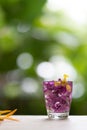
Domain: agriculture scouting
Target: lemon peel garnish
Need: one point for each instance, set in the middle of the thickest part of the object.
(4, 111)
(61, 82)
(68, 87)
(65, 77)
(11, 113)
(7, 116)
(57, 83)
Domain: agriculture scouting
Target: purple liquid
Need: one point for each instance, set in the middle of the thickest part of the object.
(57, 98)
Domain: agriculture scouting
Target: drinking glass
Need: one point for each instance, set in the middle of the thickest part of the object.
(58, 97)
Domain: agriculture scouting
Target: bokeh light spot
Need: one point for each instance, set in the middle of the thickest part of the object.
(23, 28)
(78, 90)
(29, 85)
(45, 70)
(67, 39)
(62, 66)
(12, 90)
(25, 61)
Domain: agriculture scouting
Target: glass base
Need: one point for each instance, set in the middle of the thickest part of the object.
(58, 115)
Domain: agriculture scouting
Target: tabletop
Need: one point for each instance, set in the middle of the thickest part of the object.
(43, 123)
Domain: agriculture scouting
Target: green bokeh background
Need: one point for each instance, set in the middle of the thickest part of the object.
(27, 26)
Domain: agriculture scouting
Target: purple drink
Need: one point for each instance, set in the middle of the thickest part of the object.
(58, 96)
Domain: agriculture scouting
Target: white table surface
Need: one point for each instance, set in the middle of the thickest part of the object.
(43, 123)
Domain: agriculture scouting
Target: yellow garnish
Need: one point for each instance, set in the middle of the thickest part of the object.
(4, 111)
(68, 88)
(61, 82)
(10, 118)
(56, 83)
(11, 113)
(1, 119)
(7, 116)
(65, 77)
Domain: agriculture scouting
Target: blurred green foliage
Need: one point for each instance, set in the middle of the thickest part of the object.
(25, 26)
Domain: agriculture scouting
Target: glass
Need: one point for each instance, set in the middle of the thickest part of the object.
(58, 97)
